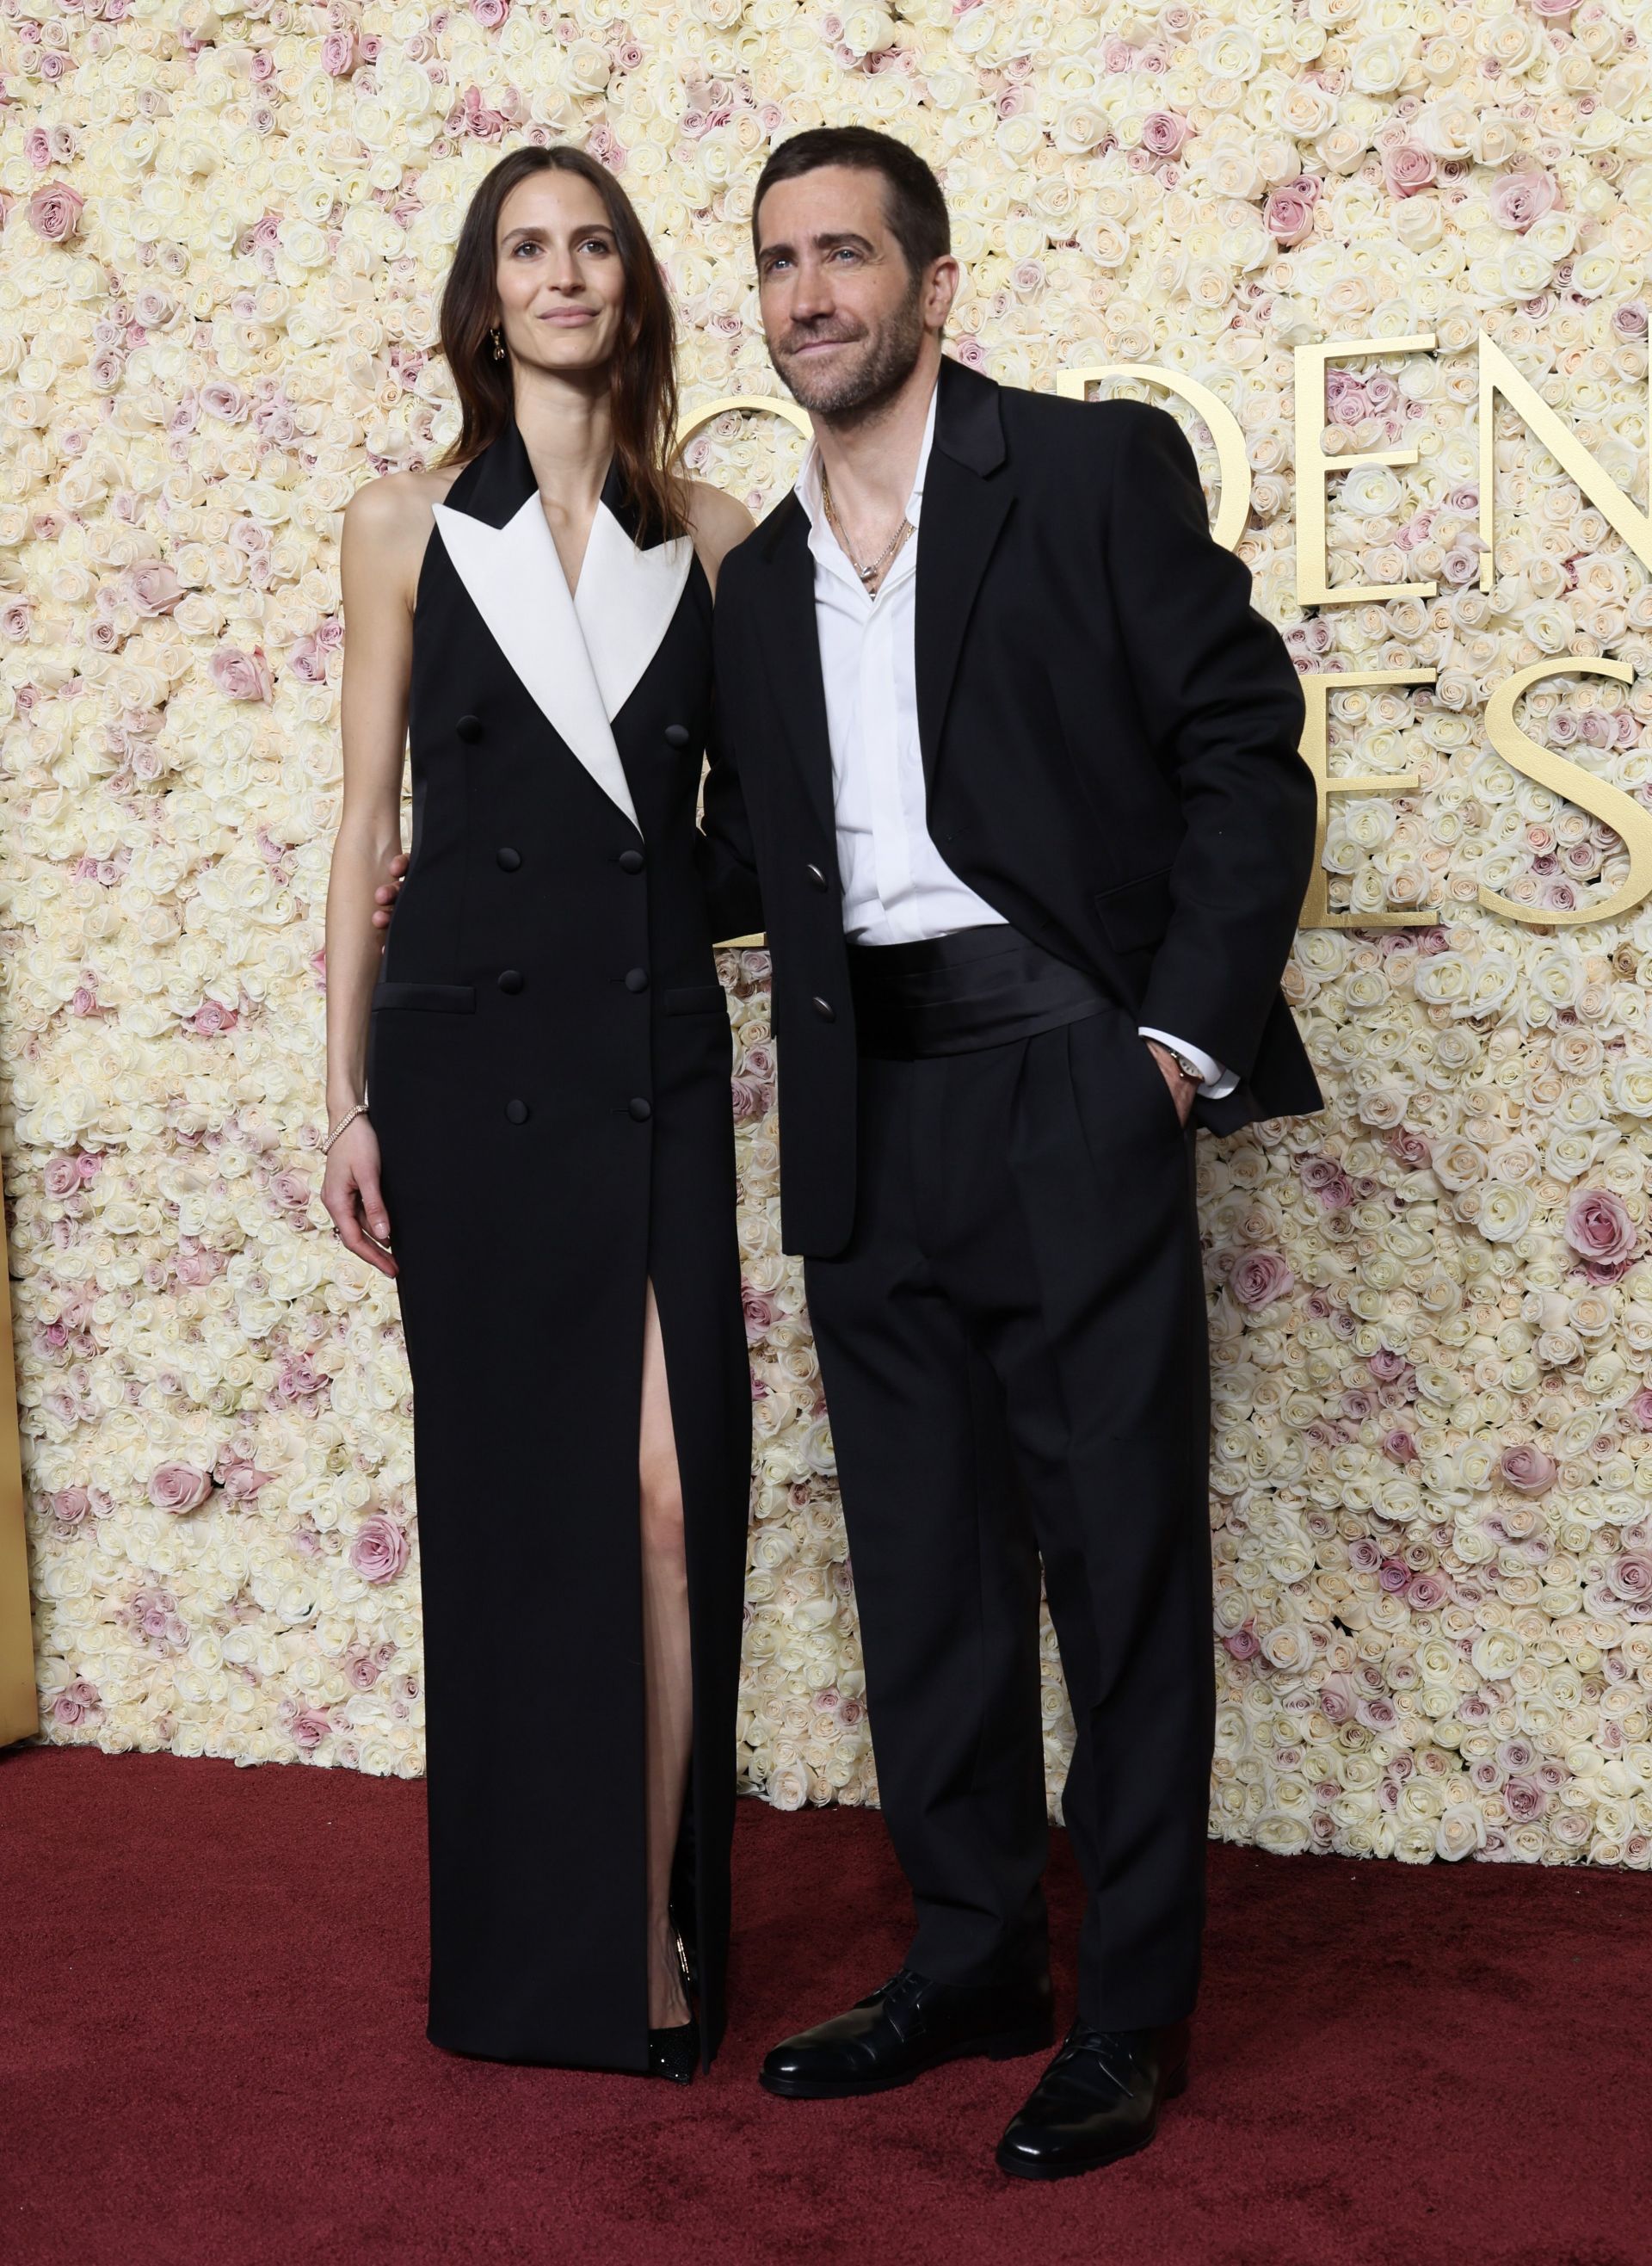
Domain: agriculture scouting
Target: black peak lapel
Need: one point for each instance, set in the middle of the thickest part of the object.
(969, 421)
(494, 486)
(967, 498)
(790, 639)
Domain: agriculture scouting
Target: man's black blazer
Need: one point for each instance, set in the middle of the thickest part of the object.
(1109, 734)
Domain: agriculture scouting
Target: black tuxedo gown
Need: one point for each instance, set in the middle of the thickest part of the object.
(548, 1078)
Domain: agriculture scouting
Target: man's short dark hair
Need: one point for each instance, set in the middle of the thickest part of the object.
(912, 200)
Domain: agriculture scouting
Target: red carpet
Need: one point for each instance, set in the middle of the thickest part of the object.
(211, 2050)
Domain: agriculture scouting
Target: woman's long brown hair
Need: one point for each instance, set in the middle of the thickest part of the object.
(642, 388)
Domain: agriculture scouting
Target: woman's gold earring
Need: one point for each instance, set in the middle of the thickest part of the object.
(498, 346)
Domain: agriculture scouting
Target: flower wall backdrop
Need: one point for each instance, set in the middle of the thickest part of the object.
(224, 233)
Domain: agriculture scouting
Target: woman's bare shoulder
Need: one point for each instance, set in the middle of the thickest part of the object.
(387, 524)
(395, 505)
(716, 523)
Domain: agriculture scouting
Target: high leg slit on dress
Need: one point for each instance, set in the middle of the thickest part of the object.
(548, 1077)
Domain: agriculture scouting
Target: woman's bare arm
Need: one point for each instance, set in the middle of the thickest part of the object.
(386, 527)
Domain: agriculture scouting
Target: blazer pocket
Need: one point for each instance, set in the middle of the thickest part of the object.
(429, 998)
(1136, 914)
(696, 999)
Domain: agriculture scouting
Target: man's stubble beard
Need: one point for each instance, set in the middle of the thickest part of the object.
(859, 396)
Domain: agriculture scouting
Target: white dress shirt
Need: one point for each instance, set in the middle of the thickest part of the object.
(897, 888)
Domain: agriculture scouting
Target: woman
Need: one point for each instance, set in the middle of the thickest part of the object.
(529, 1109)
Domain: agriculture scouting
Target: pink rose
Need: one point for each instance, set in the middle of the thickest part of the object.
(241, 676)
(490, 14)
(1424, 1593)
(179, 1487)
(1639, 1411)
(1260, 1277)
(309, 1728)
(338, 56)
(1630, 1576)
(1244, 1644)
(1525, 1799)
(1400, 1447)
(1520, 198)
(1527, 1469)
(54, 212)
(154, 587)
(1163, 133)
(241, 1481)
(62, 1179)
(380, 1550)
(74, 1702)
(759, 1314)
(1324, 1177)
(1337, 1698)
(220, 398)
(1600, 1229)
(1406, 168)
(1288, 215)
(70, 1505)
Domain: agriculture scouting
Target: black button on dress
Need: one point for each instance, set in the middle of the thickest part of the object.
(527, 1231)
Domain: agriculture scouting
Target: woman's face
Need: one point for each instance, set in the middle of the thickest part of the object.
(558, 275)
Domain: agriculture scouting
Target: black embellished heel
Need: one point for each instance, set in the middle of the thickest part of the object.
(675, 2053)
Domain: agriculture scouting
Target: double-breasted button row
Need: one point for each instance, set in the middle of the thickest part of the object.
(639, 1107)
(511, 979)
(676, 735)
(636, 979)
(507, 860)
(469, 728)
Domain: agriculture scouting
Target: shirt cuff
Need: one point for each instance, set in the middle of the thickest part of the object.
(1217, 1083)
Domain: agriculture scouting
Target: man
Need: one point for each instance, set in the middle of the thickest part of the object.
(1015, 765)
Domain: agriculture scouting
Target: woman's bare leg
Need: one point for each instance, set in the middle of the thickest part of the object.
(668, 1686)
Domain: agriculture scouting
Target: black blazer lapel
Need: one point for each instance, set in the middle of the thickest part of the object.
(967, 499)
(790, 640)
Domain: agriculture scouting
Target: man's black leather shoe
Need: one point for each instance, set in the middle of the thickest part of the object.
(909, 2025)
(1098, 2100)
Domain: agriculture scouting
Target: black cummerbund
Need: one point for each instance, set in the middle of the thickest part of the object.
(948, 995)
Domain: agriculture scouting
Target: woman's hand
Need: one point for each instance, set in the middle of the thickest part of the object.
(384, 897)
(350, 1191)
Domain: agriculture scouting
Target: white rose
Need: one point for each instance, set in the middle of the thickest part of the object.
(1378, 63)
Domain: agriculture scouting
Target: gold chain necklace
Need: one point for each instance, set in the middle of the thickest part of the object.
(866, 573)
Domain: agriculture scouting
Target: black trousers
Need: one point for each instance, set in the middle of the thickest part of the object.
(1014, 1353)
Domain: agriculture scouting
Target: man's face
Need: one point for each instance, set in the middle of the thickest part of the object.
(843, 315)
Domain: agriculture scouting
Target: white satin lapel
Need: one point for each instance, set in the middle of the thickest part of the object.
(625, 601)
(516, 584)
